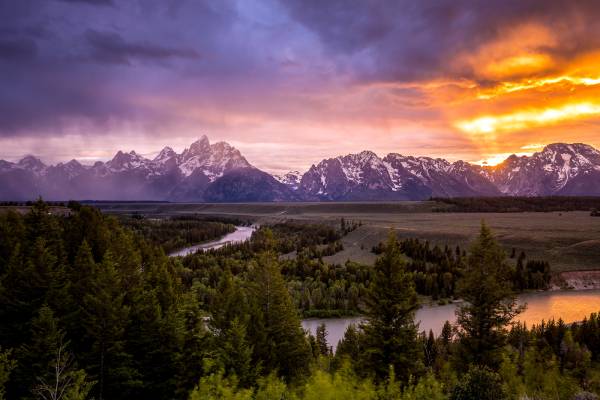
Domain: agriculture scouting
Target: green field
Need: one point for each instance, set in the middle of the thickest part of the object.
(568, 240)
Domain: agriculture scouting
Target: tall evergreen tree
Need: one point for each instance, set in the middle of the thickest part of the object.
(490, 303)
(35, 356)
(229, 320)
(349, 348)
(321, 338)
(235, 352)
(280, 343)
(105, 317)
(390, 333)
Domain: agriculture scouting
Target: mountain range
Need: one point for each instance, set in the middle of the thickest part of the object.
(218, 172)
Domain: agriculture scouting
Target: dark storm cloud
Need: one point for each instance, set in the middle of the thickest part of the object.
(62, 62)
(408, 40)
(62, 65)
(17, 49)
(93, 2)
(110, 47)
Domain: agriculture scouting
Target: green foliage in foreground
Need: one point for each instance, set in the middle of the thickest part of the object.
(89, 309)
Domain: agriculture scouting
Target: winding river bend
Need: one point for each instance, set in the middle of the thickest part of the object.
(571, 306)
(241, 234)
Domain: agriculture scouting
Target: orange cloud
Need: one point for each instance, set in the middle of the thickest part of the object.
(520, 120)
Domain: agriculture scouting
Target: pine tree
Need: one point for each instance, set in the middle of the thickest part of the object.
(229, 320)
(430, 349)
(275, 328)
(349, 348)
(321, 340)
(196, 344)
(105, 317)
(390, 333)
(490, 303)
(235, 353)
(36, 355)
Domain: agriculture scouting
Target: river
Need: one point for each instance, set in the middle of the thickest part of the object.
(241, 234)
(571, 306)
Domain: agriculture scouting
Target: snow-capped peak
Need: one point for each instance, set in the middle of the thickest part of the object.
(164, 155)
(291, 179)
(198, 148)
(122, 161)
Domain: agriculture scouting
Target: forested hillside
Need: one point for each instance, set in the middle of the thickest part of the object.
(93, 309)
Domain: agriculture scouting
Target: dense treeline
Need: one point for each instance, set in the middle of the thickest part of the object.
(85, 297)
(177, 232)
(325, 290)
(517, 204)
(309, 239)
(96, 308)
(437, 270)
(320, 289)
(31, 203)
(317, 288)
(90, 309)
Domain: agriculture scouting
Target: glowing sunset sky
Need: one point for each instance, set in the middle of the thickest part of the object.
(290, 82)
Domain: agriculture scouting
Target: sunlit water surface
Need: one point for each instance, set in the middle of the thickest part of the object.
(571, 306)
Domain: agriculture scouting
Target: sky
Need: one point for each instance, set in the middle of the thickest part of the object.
(290, 82)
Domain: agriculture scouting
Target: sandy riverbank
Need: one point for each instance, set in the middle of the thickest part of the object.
(576, 280)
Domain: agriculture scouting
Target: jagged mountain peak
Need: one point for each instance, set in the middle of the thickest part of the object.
(165, 154)
(559, 169)
(219, 172)
(212, 160)
(31, 162)
(199, 147)
(571, 147)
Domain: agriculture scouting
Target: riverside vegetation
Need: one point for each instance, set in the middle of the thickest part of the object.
(91, 308)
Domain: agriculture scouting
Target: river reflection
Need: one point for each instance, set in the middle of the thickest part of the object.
(571, 306)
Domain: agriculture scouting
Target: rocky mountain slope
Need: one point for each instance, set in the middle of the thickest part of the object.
(219, 173)
(560, 169)
(202, 172)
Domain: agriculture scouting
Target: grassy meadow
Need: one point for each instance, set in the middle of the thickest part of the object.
(568, 240)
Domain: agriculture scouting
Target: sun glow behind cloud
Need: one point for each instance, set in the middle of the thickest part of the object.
(524, 91)
(511, 87)
(520, 120)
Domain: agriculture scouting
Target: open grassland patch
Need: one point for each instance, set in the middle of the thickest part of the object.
(568, 240)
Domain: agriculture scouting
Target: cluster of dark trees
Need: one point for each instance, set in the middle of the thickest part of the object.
(516, 204)
(30, 203)
(319, 289)
(91, 309)
(295, 236)
(437, 270)
(531, 274)
(177, 232)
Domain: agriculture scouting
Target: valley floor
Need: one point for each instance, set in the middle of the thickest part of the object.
(570, 241)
